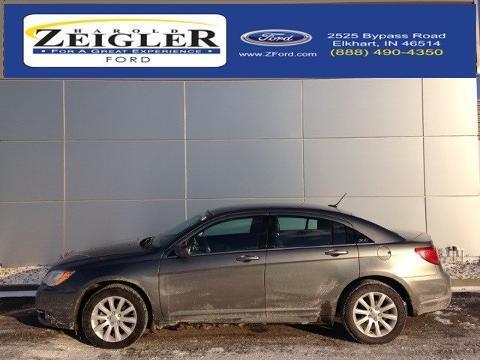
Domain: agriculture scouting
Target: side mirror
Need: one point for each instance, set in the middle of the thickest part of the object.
(182, 250)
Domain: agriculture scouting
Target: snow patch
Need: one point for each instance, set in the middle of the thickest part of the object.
(470, 289)
(443, 321)
(24, 275)
(468, 325)
(179, 353)
(467, 270)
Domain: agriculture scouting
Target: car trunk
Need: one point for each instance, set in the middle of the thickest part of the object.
(416, 236)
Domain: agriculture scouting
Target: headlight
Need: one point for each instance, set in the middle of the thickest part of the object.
(56, 277)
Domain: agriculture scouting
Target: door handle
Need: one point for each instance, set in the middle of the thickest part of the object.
(335, 252)
(247, 258)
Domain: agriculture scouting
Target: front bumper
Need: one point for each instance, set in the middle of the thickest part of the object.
(430, 293)
(56, 307)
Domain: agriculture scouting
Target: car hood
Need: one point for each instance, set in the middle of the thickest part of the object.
(115, 250)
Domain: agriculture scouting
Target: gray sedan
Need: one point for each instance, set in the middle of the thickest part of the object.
(255, 264)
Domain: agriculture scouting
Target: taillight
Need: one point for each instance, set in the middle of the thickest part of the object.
(429, 254)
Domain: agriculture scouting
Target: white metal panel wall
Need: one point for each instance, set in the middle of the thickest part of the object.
(431, 182)
(452, 162)
(87, 163)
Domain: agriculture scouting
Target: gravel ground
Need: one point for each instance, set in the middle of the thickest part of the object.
(452, 333)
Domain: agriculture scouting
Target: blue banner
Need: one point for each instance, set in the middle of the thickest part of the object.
(239, 41)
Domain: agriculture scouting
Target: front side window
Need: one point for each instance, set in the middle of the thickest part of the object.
(231, 227)
(166, 237)
(241, 234)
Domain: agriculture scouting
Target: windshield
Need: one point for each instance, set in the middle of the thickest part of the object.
(166, 237)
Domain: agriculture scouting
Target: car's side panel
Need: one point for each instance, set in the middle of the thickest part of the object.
(61, 304)
(399, 259)
(141, 273)
(426, 284)
(213, 288)
(304, 284)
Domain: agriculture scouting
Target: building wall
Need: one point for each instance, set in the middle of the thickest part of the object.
(88, 163)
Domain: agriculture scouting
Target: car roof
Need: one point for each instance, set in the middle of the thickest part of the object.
(275, 207)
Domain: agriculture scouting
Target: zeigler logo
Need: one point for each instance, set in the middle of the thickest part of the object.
(120, 40)
(276, 37)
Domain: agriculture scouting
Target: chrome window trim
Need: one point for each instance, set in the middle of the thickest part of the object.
(312, 247)
(220, 253)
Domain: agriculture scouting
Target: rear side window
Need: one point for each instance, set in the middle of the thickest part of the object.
(340, 236)
(294, 231)
(354, 237)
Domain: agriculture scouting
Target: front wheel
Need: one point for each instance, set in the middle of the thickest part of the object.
(374, 313)
(114, 317)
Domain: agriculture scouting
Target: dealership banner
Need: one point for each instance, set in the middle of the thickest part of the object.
(239, 40)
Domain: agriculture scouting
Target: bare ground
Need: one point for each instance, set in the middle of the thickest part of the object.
(452, 333)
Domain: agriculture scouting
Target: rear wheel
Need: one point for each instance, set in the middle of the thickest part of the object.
(374, 313)
(114, 317)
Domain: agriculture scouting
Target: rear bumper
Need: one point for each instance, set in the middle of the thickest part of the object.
(429, 293)
(433, 305)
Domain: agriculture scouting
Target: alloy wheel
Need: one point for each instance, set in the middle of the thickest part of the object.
(375, 314)
(113, 319)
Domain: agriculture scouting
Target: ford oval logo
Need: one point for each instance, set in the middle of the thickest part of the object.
(276, 37)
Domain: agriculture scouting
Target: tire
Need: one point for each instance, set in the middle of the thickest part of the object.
(357, 315)
(117, 329)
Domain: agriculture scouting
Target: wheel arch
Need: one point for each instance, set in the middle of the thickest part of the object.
(93, 288)
(396, 285)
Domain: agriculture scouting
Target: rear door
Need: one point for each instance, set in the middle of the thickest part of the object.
(310, 260)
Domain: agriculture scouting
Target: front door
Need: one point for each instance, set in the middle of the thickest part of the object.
(310, 260)
(223, 278)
